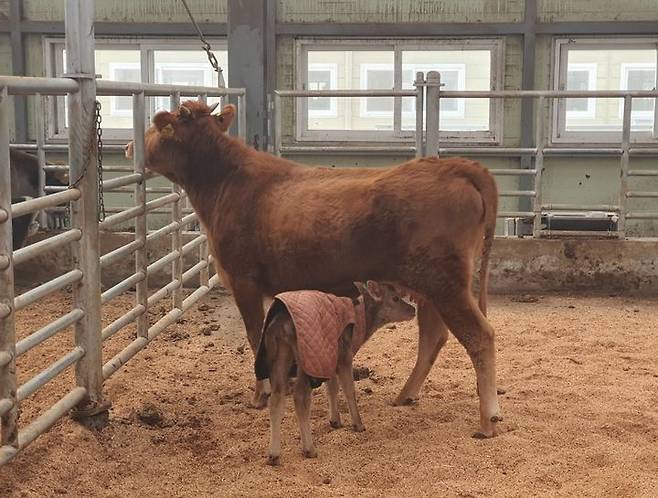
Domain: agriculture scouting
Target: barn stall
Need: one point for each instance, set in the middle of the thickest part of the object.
(344, 86)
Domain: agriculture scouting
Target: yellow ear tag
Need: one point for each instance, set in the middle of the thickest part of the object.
(167, 131)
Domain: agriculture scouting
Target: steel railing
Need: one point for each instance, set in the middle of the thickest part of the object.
(86, 356)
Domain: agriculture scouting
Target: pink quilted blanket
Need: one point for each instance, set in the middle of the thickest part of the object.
(319, 319)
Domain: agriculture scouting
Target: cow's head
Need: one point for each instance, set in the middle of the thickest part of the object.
(173, 135)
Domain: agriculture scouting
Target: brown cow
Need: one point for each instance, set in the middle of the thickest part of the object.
(276, 226)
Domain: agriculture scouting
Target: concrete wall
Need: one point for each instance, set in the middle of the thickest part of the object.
(517, 265)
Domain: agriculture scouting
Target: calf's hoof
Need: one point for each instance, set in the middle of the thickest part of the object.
(336, 424)
(259, 401)
(311, 453)
(358, 427)
(274, 461)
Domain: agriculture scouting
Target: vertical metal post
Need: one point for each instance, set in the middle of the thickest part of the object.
(8, 420)
(80, 65)
(41, 153)
(203, 247)
(420, 108)
(277, 125)
(540, 143)
(433, 103)
(141, 254)
(176, 238)
(242, 117)
(625, 159)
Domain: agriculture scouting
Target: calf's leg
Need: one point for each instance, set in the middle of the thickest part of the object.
(332, 394)
(432, 335)
(249, 299)
(303, 411)
(346, 379)
(280, 358)
(474, 332)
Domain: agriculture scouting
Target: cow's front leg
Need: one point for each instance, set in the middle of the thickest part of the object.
(249, 299)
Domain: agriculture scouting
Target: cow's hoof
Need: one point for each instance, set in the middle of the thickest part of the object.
(405, 401)
(274, 461)
(358, 428)
(480, 435)
(310, 453)
(336, 424)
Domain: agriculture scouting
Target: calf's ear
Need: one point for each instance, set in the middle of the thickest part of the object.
(360, 287)
(374, 290)
(225, 118)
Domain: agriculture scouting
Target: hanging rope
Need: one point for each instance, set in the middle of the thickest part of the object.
(206, 46)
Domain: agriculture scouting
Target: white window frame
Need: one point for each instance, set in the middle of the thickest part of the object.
(623, 84)
(492, 136)
(114, 66)
(207, 76)
(53, 62)
(460, 113)
(332, 112)
(559, 134)
(363, 101)
(591, 70)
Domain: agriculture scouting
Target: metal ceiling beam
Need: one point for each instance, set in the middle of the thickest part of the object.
(398, 29)
(116, 28)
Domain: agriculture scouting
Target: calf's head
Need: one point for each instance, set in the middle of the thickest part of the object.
(383, 304)
(174, 136)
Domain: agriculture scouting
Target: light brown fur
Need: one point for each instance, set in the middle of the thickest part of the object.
(382, 305)
(275, 226)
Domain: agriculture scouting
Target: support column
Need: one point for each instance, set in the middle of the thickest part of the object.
(80, 65)
(527, 104)
(18, 67)
(247, 35)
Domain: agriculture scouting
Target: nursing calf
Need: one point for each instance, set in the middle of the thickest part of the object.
(318, 334)
(274, 226)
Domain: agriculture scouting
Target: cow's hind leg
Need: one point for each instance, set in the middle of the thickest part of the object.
(249, 300)
(474, 332)
(303, 411)
(432, 335)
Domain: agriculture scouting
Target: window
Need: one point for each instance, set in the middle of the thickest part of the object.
(322, 77)
(597, 64)
(392, 65)
(178, 62)
(581, 77)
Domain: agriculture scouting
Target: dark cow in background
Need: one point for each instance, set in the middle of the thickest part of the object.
(25, 185)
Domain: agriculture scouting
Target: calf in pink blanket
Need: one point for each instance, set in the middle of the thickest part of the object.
(319, 333)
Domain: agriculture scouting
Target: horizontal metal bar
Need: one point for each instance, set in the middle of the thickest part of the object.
(27, 207)
(162, 201)
(517, 193)
(643, 172)
(36, 338)
(579, 233)
(641, 216)
(121, 181)
(512, 172)
(346, 93)
(579, 207)
(190, 218)
(637, 193)
(346, 149)
(196, 242)
(43, 423)
(48, 374)
(613, 151)
(194, 270)
(122, 321)
(56, 168)
(109, 87)
(162, 293)
(55, 188)
(120, 253)
(125, 215)
(164, 322)
(49, 287)
(506, 151)
(401, 29)
(162, 232)
(122, 28)
(190, 300)
(26, 253)
(161, 263)
(29, 85)
(121, 287)
(131, 190)
(515, 214)
(5, 358)
(483, 94)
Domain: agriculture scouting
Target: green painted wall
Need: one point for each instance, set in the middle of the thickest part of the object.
(596, 10)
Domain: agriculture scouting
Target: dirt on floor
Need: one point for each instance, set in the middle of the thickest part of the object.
(580, 382)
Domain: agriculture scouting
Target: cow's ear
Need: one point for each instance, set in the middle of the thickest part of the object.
(374, 290)
(162, 119)
(225, 118)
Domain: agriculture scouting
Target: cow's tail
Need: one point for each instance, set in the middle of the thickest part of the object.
(486, 185)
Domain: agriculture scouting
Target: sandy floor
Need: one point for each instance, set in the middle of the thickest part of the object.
(581, 413)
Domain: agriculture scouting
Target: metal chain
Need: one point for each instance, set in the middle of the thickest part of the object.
(95, 148)
(206, 46)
